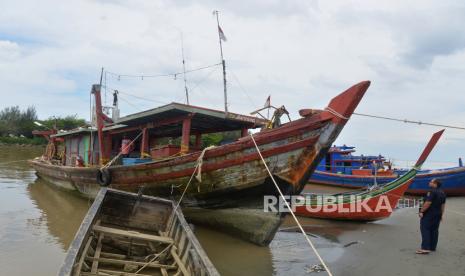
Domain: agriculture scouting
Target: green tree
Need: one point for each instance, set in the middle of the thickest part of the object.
(16, 122)
(64, 123)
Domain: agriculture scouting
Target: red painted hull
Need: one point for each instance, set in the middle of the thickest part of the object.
(346, 211)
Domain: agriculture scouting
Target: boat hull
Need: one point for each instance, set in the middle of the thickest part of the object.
(230, 196)
(139, 226)
(453, 181)
(232, 175)
(374, 208)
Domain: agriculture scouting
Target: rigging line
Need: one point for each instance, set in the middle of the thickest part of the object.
(138, 97)
(202, 80)
(162, 75)
(408, 121)
(242, 88)
(134, 106)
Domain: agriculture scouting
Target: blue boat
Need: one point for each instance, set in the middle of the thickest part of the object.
(341, 167)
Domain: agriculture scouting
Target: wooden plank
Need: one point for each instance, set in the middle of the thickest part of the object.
(83, 255)
(179, 262)
(164, 272)
(123, 262)
(113, 255)
(186, 252)
(98, 249)
(123, 273)
(132, 234)
(182, 242)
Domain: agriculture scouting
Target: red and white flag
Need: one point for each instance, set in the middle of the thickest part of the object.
(220, 32)
(268, 102)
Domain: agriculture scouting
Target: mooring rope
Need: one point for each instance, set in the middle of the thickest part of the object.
(198, 169)
(335, 113)
(153, 259)
(290, 210)
(408, 121)
(121, 152)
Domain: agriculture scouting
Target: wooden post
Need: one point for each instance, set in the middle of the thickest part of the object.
(107, 149)
(244, 132)
(144, 146)
(186, 133)
(100, 124)
(198, 141)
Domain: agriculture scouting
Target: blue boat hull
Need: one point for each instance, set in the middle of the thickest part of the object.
(453, 180)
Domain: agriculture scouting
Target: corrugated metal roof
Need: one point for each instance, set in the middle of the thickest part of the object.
(74, 131)
(203, 120)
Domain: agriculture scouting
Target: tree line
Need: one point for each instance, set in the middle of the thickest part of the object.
(17, 123)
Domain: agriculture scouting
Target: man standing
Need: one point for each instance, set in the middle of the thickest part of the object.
(430, 217)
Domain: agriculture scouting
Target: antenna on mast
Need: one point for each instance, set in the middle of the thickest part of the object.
(221, 37)
(184, 68)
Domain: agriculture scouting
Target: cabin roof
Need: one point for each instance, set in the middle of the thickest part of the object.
(203, 119)
(74, 132)
(167, 120)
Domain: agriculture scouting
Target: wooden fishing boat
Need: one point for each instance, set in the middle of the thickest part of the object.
(228, 192)
(132, 234)
(372, 204)
(341, 168)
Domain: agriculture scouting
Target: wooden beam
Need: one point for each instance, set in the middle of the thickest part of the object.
(135, 263)
(198, 141)
(156, 124)
(112, 272)
(179, 262)
(186, 133)
(83, 255)
(144, 146)
(132, 234)
(98, 249)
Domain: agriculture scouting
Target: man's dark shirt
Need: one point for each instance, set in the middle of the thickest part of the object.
(437, 197)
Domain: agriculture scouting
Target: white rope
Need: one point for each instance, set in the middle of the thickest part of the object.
(198, 167)
(292, 213)
(152, 260)
(121, 152)
(335, 113)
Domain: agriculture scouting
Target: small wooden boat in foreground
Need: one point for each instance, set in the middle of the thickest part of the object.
(368, 205)
(132, 234)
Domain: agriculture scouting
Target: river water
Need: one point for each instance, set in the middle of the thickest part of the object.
(38, 223)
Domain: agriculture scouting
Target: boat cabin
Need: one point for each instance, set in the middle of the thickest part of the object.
(339, 159)
(163, 132)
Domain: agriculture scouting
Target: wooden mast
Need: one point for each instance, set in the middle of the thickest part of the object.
(223, 62)
(101, 118)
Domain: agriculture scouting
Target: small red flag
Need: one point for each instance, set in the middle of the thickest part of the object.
(220, 32)
(268, 102)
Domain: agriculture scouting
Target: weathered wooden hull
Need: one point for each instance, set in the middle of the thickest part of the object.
(233, 175)
(125, 231)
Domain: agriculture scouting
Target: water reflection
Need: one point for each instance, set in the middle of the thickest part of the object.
(61, 211)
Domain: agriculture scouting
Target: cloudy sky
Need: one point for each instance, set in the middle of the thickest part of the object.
(301, 53)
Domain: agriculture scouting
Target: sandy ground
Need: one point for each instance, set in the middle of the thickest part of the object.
(387, 247)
